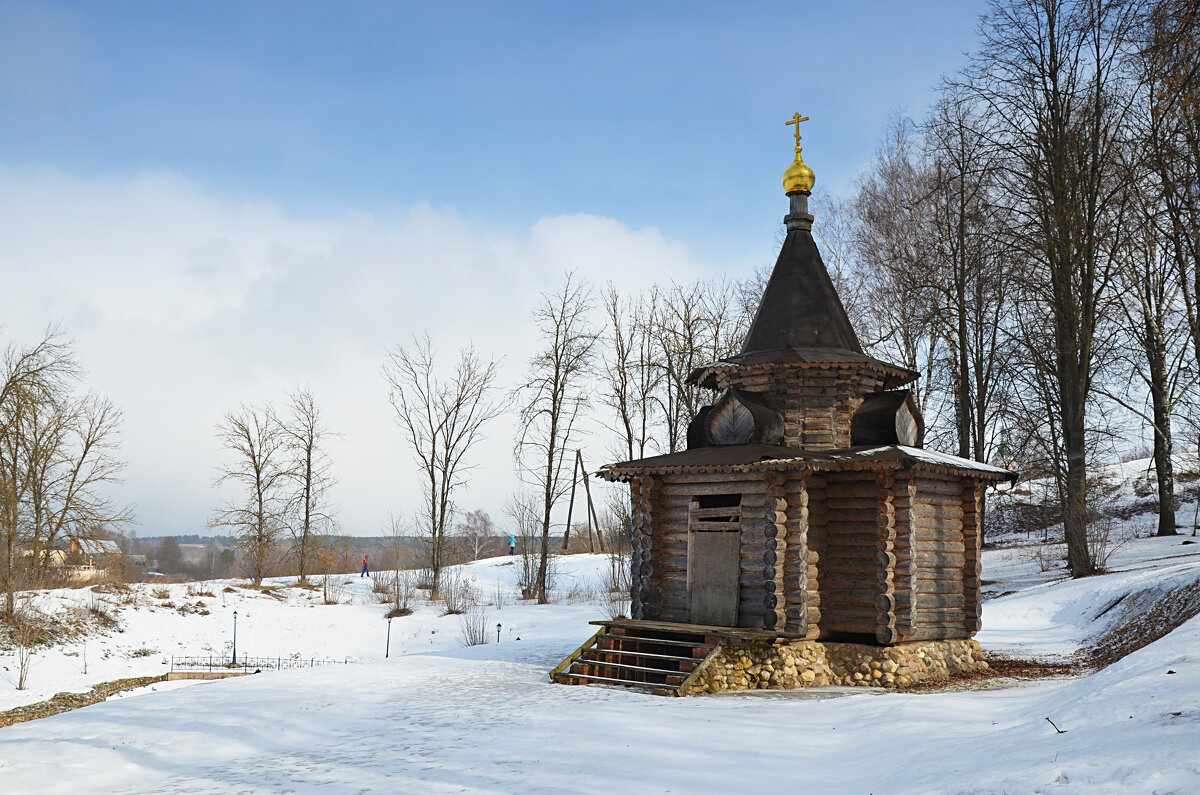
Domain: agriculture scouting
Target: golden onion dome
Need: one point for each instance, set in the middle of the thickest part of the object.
(798, 175)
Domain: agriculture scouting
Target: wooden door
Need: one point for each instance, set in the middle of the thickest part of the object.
(714, 562)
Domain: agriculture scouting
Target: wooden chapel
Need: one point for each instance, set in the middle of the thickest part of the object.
(804, 508)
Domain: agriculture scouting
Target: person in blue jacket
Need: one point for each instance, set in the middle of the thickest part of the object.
(512, 545)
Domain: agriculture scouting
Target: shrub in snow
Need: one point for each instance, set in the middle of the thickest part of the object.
(474, 625)
(457, 593)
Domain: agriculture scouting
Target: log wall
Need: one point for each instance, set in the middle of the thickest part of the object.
(972, 542)
(775, 550)
(848, 555)
(892, 555)
(903, 495)
(796, 560)
(660, 543)
(817, 404)
(938, 558)
(815, 487)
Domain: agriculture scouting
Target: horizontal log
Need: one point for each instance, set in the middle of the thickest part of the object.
(848, 547)
(919, 513)
(862, 626)
(663, 548)
(854, 515)
(951, 546)
(836, 570)
(931, 485)
(744, 481)
(863, 591)
(853, 611)
(927, 602)
(867, 492)
(935, 533)
(749, 580)
(671, 587)
(840, 503)
(935, 560)
(842, 530)
(936, 575)
(921, 585)
(934, 633)
(931, 499)
(954, 616)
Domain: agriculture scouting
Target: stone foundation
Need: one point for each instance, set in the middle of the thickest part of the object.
(791, 665)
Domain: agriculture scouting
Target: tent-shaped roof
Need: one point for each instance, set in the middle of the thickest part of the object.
(800, 307)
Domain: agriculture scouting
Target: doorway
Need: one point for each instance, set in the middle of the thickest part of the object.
(714, 559)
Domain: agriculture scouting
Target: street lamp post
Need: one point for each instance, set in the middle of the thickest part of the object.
(389, 639)
(497, 631)
(235, 638)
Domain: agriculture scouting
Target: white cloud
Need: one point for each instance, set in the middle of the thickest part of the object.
(185, 304)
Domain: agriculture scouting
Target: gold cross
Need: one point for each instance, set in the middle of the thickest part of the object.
(796, 121)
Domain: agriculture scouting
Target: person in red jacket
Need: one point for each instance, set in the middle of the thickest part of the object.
(365, 572)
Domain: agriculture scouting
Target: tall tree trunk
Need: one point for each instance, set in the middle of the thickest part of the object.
(1164, 472)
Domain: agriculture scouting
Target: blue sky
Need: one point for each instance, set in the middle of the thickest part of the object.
(664, 113)
(219, 201)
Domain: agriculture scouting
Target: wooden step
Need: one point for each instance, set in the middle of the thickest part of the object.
(680, 675)
(667, 667)
(656, 641)
(666, 636)
(583, 679)
(647, 655)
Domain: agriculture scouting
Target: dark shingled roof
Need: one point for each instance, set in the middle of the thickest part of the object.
(747, 457)
(800, 308)
(800, 320)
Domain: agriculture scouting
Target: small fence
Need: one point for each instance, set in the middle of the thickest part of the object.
(212, 663)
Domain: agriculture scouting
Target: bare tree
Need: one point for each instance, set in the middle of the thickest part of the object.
(630, 373)
(969, 270)
(478, 530)
(525, 514)
(257, 518)
(696, 324)
(553, 401)
(895, 246)
(443, 418)
(1049, 76)
(73, 462)
(1168, 65)
(57, 459)
(308, 467)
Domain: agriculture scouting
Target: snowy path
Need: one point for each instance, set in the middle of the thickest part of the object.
(437, 717)
(432, 723)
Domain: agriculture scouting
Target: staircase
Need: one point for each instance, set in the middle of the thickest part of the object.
(657, 660)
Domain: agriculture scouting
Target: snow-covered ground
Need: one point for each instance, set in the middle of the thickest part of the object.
(441, 717)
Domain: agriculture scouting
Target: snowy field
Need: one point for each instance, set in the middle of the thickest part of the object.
(441, 717)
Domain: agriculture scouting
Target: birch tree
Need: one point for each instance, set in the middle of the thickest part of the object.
(442, 417)
(257, 517)
(553, 401)
(308, 468)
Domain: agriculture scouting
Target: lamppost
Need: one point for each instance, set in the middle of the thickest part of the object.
(235, 638)
(389, 639)
(497, 631)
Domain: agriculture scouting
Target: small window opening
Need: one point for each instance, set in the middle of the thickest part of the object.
(709, 503)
